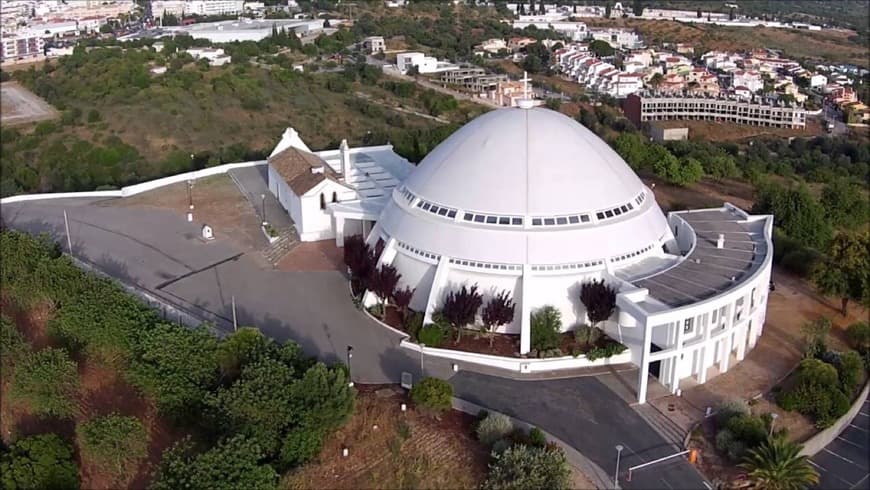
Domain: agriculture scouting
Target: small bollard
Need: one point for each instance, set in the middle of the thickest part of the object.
(189, 217)
(455, 368)
(404, 407)
(709, 412)
(375, 427)
(345, 451)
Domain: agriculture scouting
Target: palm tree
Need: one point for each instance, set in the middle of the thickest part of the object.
(777, 465)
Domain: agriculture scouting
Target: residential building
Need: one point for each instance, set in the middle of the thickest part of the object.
(617, 38)
(640, 108)
(374, 44)
(749, 79)
(473, 79)
(423, 63)
(215, 56)
(22, 45)
(518, 43)
(492, 46)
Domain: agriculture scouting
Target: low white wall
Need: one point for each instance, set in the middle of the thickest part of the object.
(819, 441)
(518, 365)
(138, 188)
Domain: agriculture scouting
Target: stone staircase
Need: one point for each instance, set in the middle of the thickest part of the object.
(276, 251)
(670, 431)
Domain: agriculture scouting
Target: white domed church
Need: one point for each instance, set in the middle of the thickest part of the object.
(527, 200)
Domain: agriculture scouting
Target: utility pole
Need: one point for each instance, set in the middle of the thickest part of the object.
(349, 357)
(235, 323)
(263, 207)
(68, 239)
(619, 449)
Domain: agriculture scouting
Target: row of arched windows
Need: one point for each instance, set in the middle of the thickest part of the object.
(323, 199)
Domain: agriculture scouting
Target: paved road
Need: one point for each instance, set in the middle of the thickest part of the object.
(844, 462)
(253, 182)
(586, 414)
(160, 252)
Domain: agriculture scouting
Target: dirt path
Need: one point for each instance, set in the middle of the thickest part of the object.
(21, 106)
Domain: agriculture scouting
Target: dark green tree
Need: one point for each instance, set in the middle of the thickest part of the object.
(234, 463)
(43, 461)
(47, 382)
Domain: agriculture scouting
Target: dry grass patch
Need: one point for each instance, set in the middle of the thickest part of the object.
(390, 449)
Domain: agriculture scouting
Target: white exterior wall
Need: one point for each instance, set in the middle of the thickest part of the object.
(488, 285)
(288, 199)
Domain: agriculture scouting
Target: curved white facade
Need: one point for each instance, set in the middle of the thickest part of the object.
(530, 201)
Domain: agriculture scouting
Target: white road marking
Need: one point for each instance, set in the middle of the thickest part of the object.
(860, 481)
(837, 455)
(816, 465)
(850, 442)
(859, 428)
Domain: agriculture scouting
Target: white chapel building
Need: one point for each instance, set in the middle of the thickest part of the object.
(529, 201)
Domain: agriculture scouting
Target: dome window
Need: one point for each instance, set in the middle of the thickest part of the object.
(517, 221)
(536, 221)
(479, 218)
(468, 217)
(562, 220)
(573, 219)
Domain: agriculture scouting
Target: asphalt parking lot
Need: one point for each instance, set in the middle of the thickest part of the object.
(845, 462)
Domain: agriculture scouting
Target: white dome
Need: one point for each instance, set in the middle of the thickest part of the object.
(525, 162)
(525, 186)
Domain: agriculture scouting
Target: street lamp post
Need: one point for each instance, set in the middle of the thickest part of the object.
(263, 207)
(349, 356)
(619, 449)
(773, 417)
(190, 194)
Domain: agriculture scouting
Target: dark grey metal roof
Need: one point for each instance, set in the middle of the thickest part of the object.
(708, 270)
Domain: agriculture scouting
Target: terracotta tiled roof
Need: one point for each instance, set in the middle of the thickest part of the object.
(295, 165)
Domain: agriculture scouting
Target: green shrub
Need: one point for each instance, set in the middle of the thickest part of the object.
(850, 369)
(801, 261)
(587, 335)
(299, 446)
(494, 427)
(500, 446)
(748, 429)
(113, 443)
(816, 393)
(729, 409)
(608, 350)
(546, 328)
(413, 322)
(431, 335)
(528, 467)
(858, 335)
(12, 344)
(729, 446)
(537, 437)
(47, 381)
(233, 463)
(43, 461)
(433, 393)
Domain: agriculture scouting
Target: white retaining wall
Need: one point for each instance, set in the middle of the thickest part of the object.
(519, 365)
(137, 188)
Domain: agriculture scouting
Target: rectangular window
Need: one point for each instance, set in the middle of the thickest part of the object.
(517, 221)
(468, 217)
(549, 221)
(442, 211)
(584, 218)
(536, 221)
(608, 213)
(451, 214)
(573, 219)
(599, 215)
(491, 220)
(479, 218)
(504, 220)
(624, 209)
(688, 325)
(425, 206)
(630, 207)
(617, 211)
(561, 221)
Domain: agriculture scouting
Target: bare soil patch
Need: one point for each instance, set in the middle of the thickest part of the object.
(32, 322)
(391, 449)
(707, 193)
(314, 256)
(21, 106)
(718, 131)
(217, 202)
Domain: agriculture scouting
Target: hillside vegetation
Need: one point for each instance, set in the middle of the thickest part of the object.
(121, 124)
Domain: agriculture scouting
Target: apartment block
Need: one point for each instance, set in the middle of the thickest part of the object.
(757, 112)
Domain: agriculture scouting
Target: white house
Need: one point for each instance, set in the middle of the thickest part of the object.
(332, 193)
(423, 63)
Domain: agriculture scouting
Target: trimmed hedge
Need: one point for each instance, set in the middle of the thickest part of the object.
(433, 393)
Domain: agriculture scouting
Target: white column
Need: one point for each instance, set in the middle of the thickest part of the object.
(702, 364)
(372, 238)
(643, 372)
(526, 311)
(675, 377)
(438, 283)
(726, 352)
(386, 258)
(339, 231)
(741, 341)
